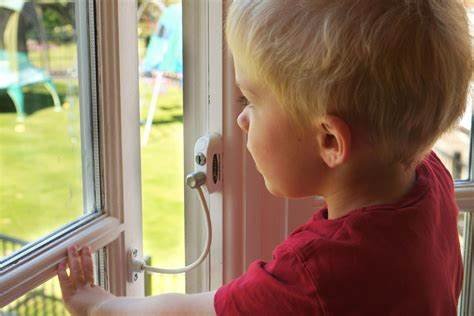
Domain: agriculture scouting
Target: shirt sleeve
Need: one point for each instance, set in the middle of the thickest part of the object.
(279, 287)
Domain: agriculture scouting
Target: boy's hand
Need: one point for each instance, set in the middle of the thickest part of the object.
(80, 295)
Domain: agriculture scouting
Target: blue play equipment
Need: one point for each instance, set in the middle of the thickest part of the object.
(16, 70)
(165, 49)
(164, 55)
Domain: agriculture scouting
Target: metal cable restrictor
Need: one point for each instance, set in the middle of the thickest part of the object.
(208, 172)
(194, 180)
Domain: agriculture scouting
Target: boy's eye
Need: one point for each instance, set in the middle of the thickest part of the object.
(243, 101)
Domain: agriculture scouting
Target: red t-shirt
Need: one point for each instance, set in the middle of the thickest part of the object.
(395, 259)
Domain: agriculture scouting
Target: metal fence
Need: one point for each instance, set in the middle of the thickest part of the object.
(10, 244)
(36, 302)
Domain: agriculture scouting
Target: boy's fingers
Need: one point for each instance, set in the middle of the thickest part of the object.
(87, 265)
(75, 268)
(67, 288)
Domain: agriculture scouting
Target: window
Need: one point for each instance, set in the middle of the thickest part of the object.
(46, 140)
(99, 155)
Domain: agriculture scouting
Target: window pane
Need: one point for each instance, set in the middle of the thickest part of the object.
(161, 111)
(454, 147)
(46, 167)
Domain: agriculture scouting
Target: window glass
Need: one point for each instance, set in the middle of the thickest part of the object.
(161, 112)
(454, 147)
(46, 167)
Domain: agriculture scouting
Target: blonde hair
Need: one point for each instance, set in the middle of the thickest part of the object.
(399, 69)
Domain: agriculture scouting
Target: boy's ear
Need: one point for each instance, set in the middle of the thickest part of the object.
(334, 140)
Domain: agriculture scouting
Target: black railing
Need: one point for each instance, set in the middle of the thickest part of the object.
(9, 244)
(40, 301)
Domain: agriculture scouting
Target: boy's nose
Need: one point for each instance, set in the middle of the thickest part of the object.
(243, 121)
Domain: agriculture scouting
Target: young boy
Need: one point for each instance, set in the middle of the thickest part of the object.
(342, 99)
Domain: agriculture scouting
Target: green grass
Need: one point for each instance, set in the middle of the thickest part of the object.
(40, 168)
(41, 181)
(163, 188)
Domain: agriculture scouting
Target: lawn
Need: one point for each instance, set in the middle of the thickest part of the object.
(41, 181)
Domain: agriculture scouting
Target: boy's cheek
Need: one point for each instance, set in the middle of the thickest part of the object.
(254, 153)
(251, 152)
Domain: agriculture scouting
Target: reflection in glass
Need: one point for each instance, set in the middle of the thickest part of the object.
(40, 132)
(161, 111)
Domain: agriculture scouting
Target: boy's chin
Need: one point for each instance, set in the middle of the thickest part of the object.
(273, 191)
(286, 193)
